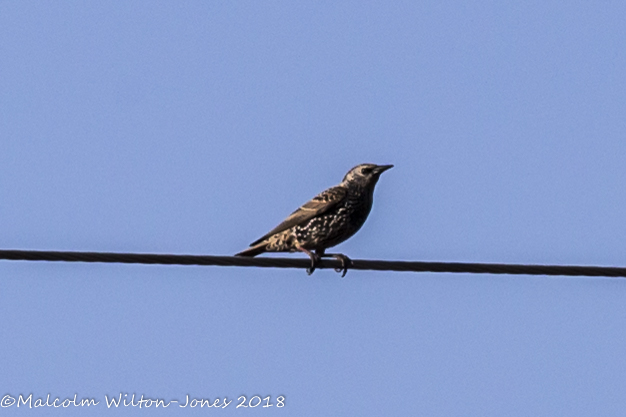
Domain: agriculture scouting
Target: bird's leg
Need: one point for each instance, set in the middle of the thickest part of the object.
(314, 259)
(345, 261)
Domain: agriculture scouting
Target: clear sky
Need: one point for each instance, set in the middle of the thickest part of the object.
(195, 127)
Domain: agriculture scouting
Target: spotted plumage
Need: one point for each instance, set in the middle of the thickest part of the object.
(326, 220)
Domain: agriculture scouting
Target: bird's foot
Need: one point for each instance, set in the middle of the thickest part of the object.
(314, 260)
(345, 263)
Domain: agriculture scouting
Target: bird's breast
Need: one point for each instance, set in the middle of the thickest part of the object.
(335, 226)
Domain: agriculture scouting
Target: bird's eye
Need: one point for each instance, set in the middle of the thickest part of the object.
(366, 170)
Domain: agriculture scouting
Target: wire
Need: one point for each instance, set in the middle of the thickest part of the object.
(400, 266)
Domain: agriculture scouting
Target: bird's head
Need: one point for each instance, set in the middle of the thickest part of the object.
(365, 174)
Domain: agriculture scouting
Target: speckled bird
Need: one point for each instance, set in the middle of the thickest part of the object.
(328, 219)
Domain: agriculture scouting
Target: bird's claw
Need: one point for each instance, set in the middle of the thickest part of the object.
(314, 260)
(345, 264)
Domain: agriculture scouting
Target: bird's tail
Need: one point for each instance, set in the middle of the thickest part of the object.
(254, 250)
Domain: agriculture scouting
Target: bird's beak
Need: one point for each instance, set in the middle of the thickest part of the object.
(382, 168)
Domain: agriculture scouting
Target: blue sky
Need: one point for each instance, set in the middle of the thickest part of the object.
(196, 127)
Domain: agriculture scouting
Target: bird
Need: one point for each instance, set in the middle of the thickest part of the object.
(326, 220)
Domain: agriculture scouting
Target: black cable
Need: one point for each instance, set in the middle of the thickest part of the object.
(402, 266)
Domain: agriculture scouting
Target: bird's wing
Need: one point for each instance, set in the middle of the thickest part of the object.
(319, 204)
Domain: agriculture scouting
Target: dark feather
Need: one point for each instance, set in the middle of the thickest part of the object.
(318, 205)
(253, 251)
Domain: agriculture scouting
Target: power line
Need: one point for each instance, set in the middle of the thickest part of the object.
(399, 266)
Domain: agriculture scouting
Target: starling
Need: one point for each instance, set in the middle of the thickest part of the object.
(326, 220)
